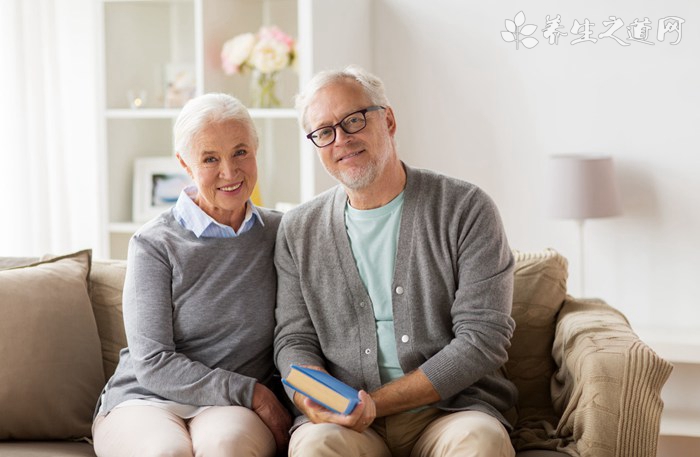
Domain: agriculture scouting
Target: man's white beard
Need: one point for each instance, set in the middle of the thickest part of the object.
(357, 179)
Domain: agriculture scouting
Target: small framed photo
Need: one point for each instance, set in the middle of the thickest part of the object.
(157, 185)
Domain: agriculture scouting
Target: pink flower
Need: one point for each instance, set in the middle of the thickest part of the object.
(274, 33)
(269, 51)
(236, 52)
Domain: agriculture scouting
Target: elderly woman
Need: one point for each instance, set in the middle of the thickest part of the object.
(199, 301)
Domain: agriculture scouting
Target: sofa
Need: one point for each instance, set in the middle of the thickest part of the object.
(587, 385)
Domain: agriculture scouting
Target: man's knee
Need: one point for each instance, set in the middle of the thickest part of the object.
(488, 439)
(467, 433)
(317, 439)
(328, 440)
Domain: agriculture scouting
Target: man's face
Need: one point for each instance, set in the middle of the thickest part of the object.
(356, 160)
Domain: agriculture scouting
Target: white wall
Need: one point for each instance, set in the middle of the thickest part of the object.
(470, 105)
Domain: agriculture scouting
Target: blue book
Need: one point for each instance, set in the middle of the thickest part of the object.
(322, 388)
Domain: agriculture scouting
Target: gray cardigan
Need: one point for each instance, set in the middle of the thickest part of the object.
(452, 294)
(198, 314)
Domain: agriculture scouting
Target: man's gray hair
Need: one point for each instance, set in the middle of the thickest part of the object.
(205, 110)
(371, 85)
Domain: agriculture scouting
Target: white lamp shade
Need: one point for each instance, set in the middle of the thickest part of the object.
(582, 187)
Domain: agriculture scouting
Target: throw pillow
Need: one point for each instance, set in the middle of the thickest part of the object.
(51, 372)
(13, 262)
(539, 292)
(106, 284)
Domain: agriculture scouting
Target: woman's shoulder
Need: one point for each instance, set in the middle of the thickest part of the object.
(165, 222)
(162, 230)
(270, 217)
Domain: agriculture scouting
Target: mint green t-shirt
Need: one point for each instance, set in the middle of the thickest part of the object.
(374, 235)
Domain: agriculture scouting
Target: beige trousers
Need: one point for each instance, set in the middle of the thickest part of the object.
(428, 433)
(149, 431)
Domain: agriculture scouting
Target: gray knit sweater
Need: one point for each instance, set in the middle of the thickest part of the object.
(199, 315)
(451, 294)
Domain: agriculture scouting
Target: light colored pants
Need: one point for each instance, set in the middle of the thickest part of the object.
(428, 433)
(149, 431)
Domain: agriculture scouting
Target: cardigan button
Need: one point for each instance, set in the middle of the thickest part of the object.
(404, 339)
(362, 304)
(399, 290)
(368, 351)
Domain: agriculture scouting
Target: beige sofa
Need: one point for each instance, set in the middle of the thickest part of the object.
(588, 386)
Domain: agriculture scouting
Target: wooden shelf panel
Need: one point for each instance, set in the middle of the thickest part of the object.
(124, 227)
(157, 113)
(674, 345)
(680, 423)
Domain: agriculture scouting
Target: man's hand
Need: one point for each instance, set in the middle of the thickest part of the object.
(273, 414)
(359, 419)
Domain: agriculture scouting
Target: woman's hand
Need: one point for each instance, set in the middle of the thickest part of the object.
(359, 419)
(273, 414)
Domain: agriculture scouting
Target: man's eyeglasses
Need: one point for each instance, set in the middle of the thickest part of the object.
(352, 123)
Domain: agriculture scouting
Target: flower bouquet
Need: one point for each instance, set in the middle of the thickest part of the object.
(265, 54)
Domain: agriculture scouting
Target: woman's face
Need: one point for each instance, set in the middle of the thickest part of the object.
(224, 168)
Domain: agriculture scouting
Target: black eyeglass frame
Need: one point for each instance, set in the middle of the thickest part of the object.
(363, 112)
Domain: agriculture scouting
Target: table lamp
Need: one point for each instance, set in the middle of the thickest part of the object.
(582, 186)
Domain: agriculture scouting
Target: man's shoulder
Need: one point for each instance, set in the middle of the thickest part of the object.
(312, 210)
(441, 185)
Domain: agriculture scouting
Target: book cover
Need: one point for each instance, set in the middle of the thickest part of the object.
(322, 388)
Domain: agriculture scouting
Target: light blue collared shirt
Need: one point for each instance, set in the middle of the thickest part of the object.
(194, 219)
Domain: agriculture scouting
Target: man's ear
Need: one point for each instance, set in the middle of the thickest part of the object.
(184, 165)
(390, 120)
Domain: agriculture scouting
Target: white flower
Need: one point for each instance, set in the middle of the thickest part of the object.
(269, 56)
(236, 51)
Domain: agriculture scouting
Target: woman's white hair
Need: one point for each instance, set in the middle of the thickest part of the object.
(371, 85)
(205, 110)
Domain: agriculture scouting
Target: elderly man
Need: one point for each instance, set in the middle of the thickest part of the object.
(399, 282)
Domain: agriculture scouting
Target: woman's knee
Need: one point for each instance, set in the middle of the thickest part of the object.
(225, 431)
(142, 431)
(155, 446)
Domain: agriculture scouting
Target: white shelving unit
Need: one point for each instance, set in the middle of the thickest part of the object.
(681, 393)
(143, 39)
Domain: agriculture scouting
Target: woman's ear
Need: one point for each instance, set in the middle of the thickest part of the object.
(184, 165)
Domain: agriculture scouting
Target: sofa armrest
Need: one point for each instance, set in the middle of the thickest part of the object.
(608, 382)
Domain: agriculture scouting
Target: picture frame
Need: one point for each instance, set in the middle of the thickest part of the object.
(157, 185)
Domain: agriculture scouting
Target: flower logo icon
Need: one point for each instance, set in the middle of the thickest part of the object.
(516, 31)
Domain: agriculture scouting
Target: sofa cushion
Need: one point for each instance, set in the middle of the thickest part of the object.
(541, 453)
(45, 449)
(539, 293)
(106, 283)
(51, 372)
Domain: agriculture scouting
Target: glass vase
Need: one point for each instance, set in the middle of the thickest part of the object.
(262, 90)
